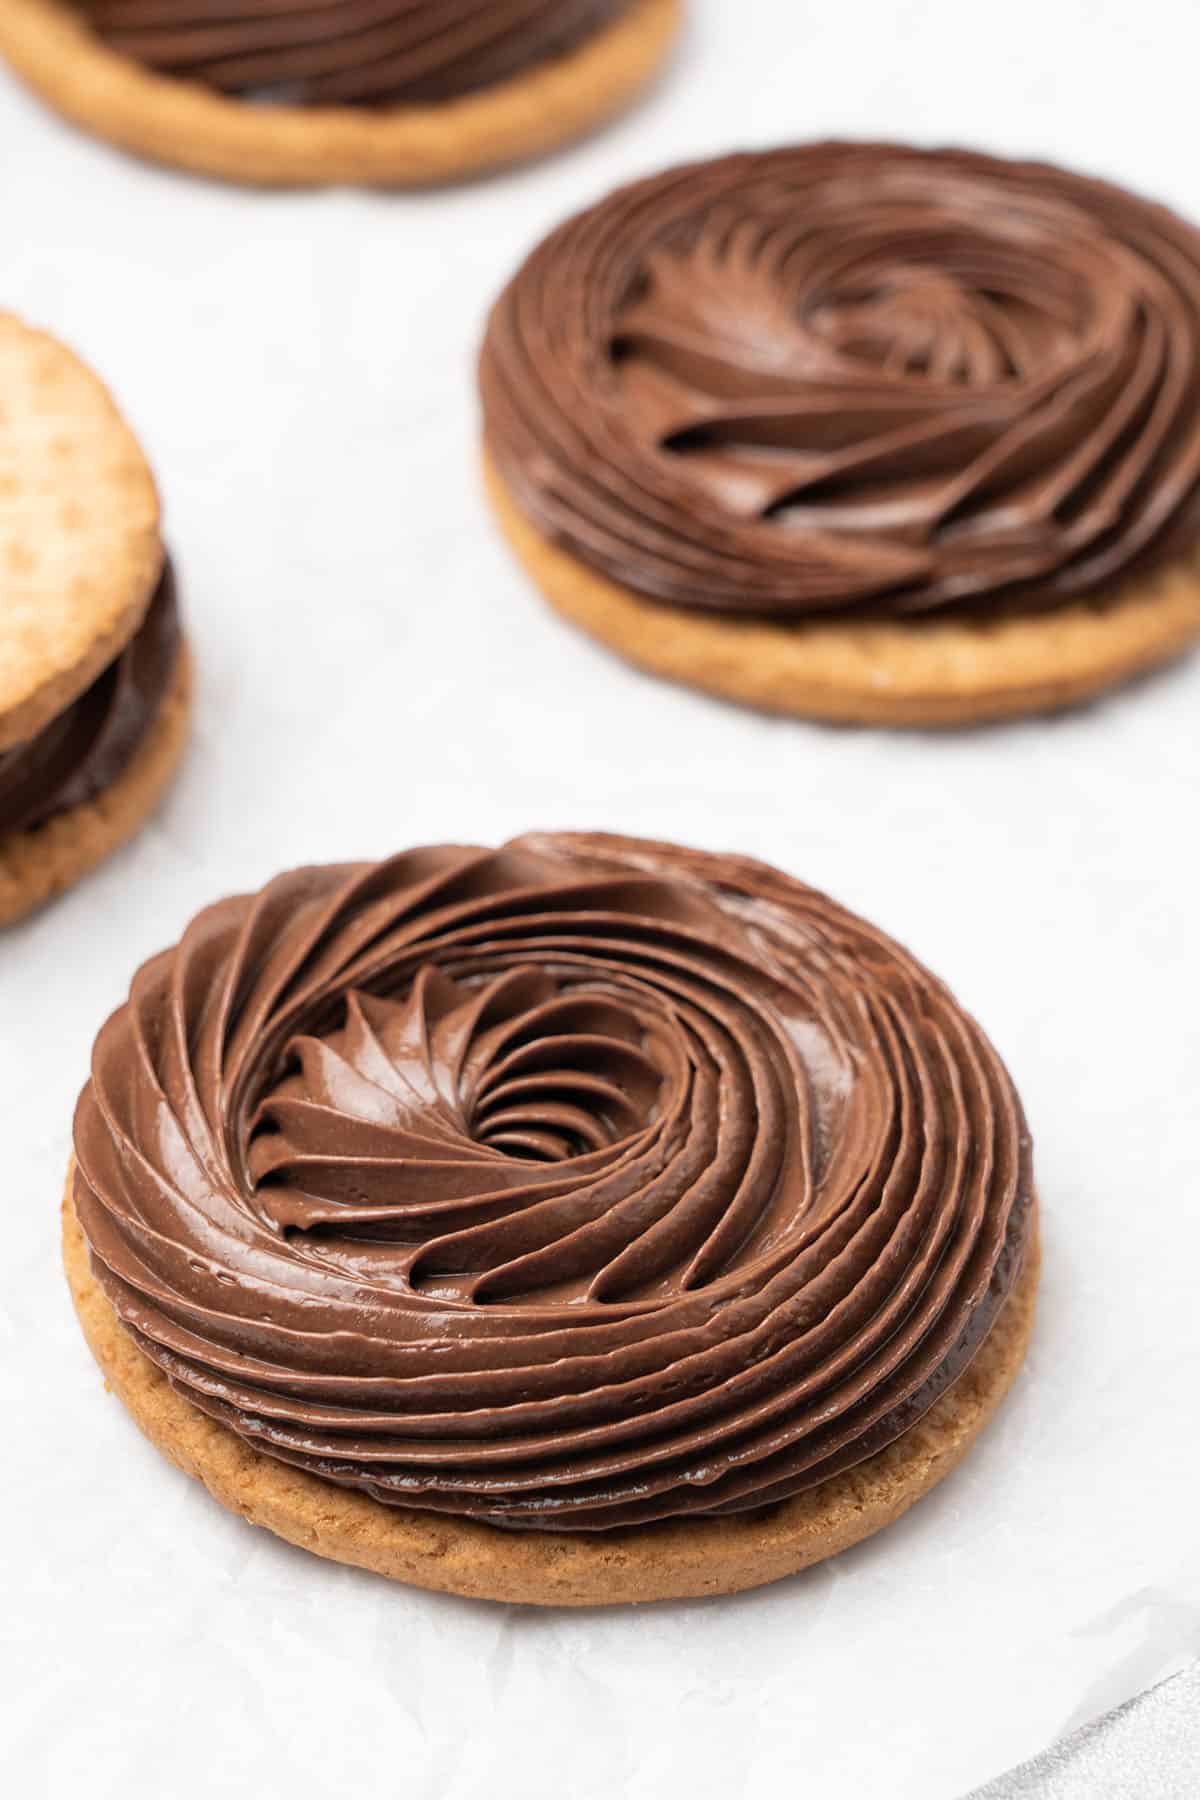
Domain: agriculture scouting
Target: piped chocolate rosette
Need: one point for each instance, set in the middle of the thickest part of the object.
(580, 1184)
(857, 386)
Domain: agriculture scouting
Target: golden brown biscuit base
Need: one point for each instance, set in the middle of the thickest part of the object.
(80, 553)
(682, 1560)
(915, 672)
(36, 865)
(190, 126)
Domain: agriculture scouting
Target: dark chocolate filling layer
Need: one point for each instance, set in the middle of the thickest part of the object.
(88, 747)
(348, 52)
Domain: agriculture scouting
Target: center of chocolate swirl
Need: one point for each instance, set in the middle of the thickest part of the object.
(856, 376)
(554, 1094)
(568, 1185)
(465, 1090)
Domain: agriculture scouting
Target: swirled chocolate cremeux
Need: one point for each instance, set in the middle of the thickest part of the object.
(83, 751)
(347, 52)
(856, 379)
(570, 1185)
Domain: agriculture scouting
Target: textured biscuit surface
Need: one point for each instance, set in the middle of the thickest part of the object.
(79, 546)
(36, 865)
(934, 672)
(688, 1559)
(190, 126)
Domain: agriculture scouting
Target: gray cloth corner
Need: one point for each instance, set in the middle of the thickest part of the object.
(1148, 1749)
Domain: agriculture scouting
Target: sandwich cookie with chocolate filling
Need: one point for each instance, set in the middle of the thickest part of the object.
(587, 1220)
(94, 678)
(860, 432)
(308, 92)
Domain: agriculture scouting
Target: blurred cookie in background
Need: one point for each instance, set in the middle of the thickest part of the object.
(391, 93)
(860, 432)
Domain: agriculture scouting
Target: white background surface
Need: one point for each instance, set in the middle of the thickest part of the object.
(374, 674)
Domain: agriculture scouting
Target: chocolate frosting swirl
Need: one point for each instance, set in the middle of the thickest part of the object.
(87, 748)
(855, 376)
(347, 52)
(569, 1185)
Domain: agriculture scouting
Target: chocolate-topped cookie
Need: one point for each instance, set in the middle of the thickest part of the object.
(378, 92)
(93, 671)
(860, 431)
(584, 1220)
